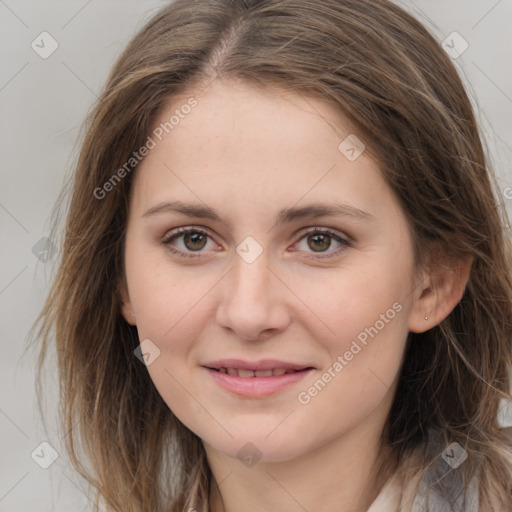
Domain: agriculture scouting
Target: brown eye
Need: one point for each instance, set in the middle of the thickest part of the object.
(194, 240)
(319, 242)
(187, 242)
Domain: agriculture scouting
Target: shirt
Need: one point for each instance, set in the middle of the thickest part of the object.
(422, 491)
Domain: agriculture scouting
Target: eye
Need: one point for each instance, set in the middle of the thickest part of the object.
(194, 240)
(319, 240)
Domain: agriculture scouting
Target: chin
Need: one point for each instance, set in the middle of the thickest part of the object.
(258, 447)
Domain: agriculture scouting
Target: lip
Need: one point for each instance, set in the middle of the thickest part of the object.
(256, 387)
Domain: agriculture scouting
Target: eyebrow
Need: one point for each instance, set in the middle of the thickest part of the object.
(286, 215)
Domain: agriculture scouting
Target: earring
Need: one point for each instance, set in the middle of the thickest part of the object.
(126, 304)
(426, 318)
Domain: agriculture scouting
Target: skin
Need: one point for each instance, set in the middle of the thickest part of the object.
(247, 153)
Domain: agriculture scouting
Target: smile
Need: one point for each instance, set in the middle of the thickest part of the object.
(256, 383)
(239, 372)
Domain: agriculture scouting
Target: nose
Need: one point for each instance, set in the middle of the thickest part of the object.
(253, 301)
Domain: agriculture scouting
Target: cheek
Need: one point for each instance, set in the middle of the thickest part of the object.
(167, 300)
(361, 320)
(359, 379)
(171, 311)
(352, 304)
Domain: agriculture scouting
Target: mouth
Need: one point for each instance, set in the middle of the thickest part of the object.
(240, 372)
(256, 379)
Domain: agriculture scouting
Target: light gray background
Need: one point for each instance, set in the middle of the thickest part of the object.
(43, 103)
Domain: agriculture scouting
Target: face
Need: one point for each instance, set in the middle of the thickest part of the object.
(295, 256)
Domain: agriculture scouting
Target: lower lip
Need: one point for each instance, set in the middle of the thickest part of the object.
(257, 386)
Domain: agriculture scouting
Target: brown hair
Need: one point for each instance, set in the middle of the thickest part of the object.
(383, 70)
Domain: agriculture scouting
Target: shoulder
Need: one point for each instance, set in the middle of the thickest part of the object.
(441, 486)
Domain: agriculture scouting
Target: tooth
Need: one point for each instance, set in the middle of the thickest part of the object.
(245, 373)
(263, 373)
(223, 370)
(232, 371)
(278, 371)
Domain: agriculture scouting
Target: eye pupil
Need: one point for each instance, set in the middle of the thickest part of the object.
(319, 238)
(194, 238)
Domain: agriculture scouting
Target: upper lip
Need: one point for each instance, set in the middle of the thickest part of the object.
(264, 364)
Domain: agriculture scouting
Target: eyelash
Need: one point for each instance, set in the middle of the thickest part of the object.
(345, 243)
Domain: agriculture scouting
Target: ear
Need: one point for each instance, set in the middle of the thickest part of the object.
(440, 291)
(126, 307)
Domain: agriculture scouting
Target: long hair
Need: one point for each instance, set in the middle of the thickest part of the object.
(385, 72)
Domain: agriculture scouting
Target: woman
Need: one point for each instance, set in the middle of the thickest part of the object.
(285, 282)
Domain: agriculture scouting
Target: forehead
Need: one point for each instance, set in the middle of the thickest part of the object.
(279, 118)
(251, 143)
